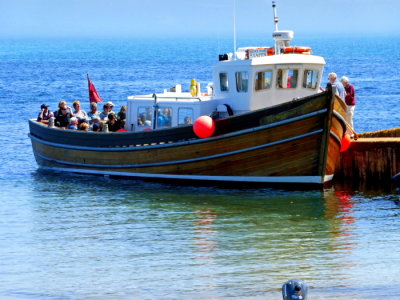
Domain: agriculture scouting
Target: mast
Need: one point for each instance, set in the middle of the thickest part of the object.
(234, 29)
(282, 37)
(276, 19)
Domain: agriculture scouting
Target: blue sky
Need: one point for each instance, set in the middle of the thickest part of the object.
(157, 18)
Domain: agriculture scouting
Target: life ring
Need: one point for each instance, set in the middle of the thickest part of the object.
(298, 50)
(271, 51)
(302, 49)
(289, 50)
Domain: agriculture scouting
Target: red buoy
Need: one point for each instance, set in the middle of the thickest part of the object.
(204, 127)
(346, 141)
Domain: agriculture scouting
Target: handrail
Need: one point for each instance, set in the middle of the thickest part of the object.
(165, 97)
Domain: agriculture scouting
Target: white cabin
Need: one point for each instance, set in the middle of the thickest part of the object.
(253, 78)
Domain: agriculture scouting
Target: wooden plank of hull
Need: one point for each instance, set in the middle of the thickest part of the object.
(293, 158)
(172, 152)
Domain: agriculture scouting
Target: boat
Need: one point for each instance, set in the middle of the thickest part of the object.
(263, 119)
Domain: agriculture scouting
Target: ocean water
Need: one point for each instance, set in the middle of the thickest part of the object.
(66, 236)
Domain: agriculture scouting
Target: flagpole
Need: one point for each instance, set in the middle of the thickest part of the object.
(88, 83)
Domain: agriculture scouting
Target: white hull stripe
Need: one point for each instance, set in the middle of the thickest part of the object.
(124, 149)
(181, 161)
(265, 179)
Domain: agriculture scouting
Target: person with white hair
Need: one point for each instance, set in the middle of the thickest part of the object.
(332, 77)
(350, 99)
(73, 123)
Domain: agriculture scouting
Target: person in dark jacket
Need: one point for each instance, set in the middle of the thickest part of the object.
(350, 99)
(63, 116)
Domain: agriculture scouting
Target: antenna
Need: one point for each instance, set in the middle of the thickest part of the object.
(234, 29)
(276, 19)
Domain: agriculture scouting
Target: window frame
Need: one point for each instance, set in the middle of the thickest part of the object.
(305, 79)
(263, 86)
(185, 115)
(242, 84)
(224, 86)
(283, 73)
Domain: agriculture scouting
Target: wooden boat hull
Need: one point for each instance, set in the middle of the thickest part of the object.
(296, 142)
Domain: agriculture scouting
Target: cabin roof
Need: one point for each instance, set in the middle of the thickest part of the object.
(275, 60)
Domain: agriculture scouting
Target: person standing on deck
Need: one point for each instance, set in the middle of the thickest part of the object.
(350, 99)
(339, 87)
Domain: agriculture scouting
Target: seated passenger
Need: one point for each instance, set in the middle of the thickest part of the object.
(63, 116)
(73, 123)
(122, 126)
(107, 109)
(93, 112)
(113, 123)
(80, 114)
(62, 104)
(187, 120)
(122, 113)
(84, 126)
(164, 118)
(96, 124)
(45, 114)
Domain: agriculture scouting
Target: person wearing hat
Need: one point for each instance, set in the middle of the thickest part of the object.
(350, 99)
(45, 114)
(107, 109)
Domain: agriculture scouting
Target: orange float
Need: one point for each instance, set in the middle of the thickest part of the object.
(346, 142)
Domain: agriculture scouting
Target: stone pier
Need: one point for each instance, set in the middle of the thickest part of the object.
(374, 157)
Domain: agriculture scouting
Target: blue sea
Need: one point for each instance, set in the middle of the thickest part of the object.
(66, 236)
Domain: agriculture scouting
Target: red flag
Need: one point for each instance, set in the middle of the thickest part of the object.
(93, 95)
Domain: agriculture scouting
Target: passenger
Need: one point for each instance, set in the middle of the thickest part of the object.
(164, 119)
(96, 124)
(73, 123)
(84, 126)
(45, 114)
(107, 109)
(113, 123)
(350, 99)
(122, 126)
(141, 119)
(64, 114)
(339, 87)
(187, 120)
(93, 112)
(122, 113)
(79, 113)
(61, 105)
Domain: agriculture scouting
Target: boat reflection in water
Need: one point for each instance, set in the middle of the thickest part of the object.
(207, 241)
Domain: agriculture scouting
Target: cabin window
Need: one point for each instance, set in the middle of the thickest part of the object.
(263, 80)
(145, 116)
(242, 81)
(164, 117)
(310, 79)
(185, 116)
(287, 79)
(223, 81)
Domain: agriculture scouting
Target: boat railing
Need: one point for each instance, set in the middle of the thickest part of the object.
(177, 98)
